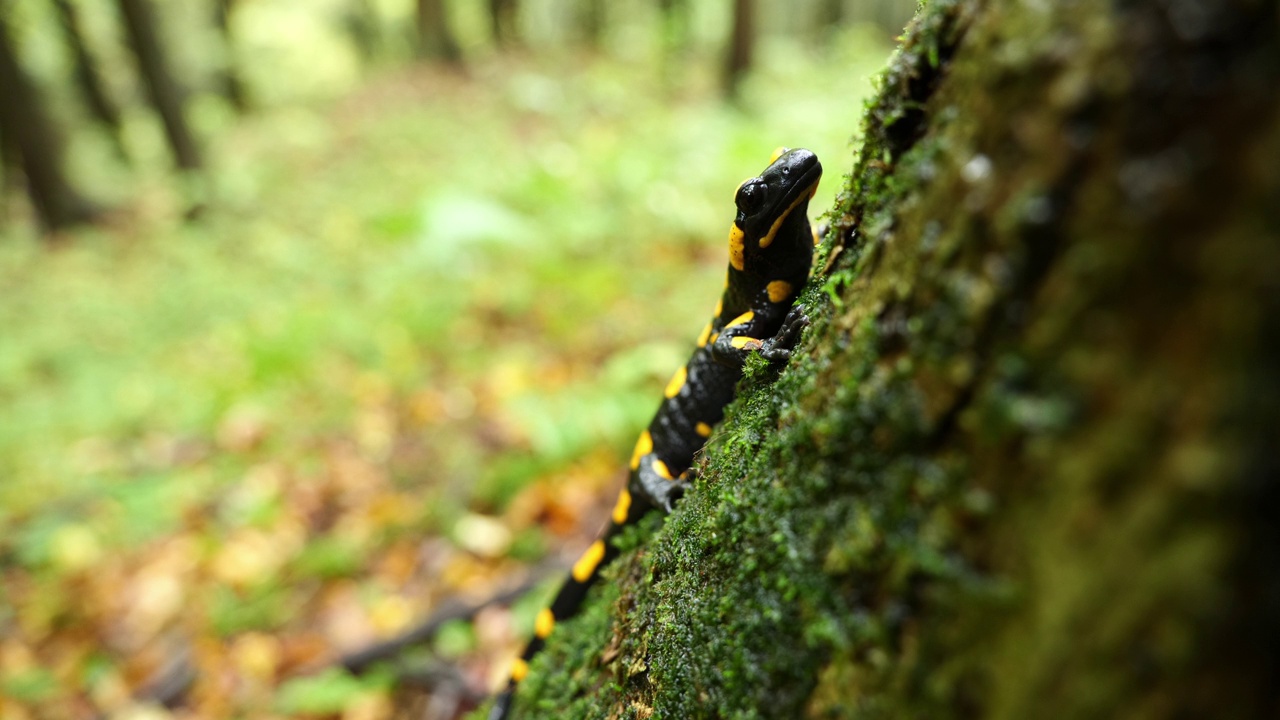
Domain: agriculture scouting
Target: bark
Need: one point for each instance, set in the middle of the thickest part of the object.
(435, 38)
(1023, 464)
(30, 135)
(741, 51)
(162, 89)
(92, 88)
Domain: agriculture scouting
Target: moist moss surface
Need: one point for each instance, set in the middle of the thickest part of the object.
(1005, 471)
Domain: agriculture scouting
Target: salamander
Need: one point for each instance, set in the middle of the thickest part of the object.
(770, 254)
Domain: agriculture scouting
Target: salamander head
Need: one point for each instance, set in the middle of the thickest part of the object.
(773, 205)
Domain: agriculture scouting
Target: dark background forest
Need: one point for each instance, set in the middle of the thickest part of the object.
(321, 316)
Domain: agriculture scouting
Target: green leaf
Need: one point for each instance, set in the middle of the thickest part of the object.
(329, 692)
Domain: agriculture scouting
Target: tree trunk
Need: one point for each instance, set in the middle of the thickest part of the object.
(10, 161)
(674, 40)
(1024, 462)
(29, 133)
(828, 19)
(502, 21)
(742, 41)
(360, 20)
(593, 21)
(232, 86)
(435, 38)
(830, 15)
(92, 88)
(162, 89)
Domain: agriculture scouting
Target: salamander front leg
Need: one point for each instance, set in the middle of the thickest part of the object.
(777, 349)
(654, 482)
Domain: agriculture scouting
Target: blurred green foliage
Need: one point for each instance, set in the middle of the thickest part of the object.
(325, 693)
(425, 231)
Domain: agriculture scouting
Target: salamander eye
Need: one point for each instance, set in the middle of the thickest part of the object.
(751, 197)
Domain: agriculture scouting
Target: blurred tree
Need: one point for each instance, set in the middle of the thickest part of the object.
(10, 162)
(675, 23)
(741, 47)
(92, 88)
(31, 139)
(591, 15)
(232, 86)
(435, 38)
(674, 39)
(364, 26)
(830, 15)
(162, 88)
(503, 16)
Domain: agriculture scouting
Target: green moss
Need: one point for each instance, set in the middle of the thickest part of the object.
(732, 571)
(937, 508)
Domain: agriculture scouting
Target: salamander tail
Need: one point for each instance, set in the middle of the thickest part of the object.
(502, 705)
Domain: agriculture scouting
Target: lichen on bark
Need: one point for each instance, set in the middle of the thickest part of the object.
(1023, 463)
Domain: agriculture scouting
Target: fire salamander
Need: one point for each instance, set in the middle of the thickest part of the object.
(770, 253)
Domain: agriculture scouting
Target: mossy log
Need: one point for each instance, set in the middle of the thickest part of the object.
(1025, 461)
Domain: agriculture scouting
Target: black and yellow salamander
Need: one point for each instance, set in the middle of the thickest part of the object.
(770, 253)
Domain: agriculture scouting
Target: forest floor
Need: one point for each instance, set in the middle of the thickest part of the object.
(399, 359)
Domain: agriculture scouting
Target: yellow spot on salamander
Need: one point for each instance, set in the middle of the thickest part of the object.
(545, 623)
(622, 507)
(773, 229)
(742, 319)
(777, 153)
(735, 247)
(676, 382)
(719, 307)
(741, 342)
(713, 338)
(662, 470)
(586, 564)
(779, 290)
(702, 336)
(703, 429)
(519, 668)
(644, 446)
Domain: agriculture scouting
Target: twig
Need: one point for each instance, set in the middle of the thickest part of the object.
(359, 661)
(436, 677)
(169, 684)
